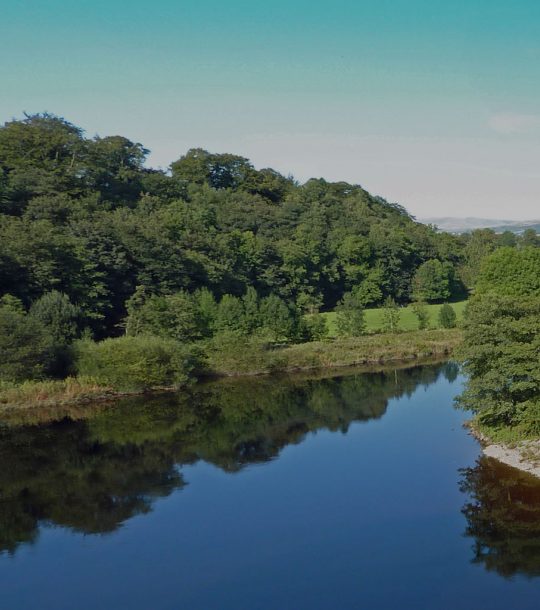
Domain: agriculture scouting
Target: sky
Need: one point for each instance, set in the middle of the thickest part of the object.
(432, 104)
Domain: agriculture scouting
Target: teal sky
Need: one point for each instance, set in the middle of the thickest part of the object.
(433, 104)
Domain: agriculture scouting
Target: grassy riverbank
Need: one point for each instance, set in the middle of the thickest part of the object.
(66, 391)
(368, 349)
(251, 359)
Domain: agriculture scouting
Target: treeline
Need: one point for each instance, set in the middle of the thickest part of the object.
(118, 247)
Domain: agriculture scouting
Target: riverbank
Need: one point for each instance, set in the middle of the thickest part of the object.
(352, 351)
(521, 454)
(365, 351)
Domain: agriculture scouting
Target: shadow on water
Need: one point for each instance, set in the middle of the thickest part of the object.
(503, 517)
(91, 475)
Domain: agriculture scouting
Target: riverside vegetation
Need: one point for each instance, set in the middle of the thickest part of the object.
(501, 348)
(115, 277)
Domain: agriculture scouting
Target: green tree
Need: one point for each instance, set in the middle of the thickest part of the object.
(277, 319)
(251, 310)
(231, 315)
(25, 344)
(479, 244)
(206, 310)
(58, 314)
(219, 171)
(134, 363)
(508, 239)
(317, 327)
(432, 281)
(447, 316)
(421, 312)
(350, 318)
(172, 316)
(529, 238)
(500, 355)
(369, 291)
(42, 154)
(502, 342)
(390, 316)
(511, 272)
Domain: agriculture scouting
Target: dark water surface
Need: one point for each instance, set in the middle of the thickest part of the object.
(359, 491)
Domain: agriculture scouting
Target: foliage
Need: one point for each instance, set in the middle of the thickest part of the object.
(350, 318)
(277, 319)
(500, 355)
(134, 363)
(92, 239)
(422, 314)
(511, 272)
(228, 354)
(316, 327)
(431, 281)
(58, 314)
(447, 316)
(479, 244)
(171, 316)
(26, 345)
(232, 354)
(50, 392)
(391, 315)
(501, 350)
(84, 217)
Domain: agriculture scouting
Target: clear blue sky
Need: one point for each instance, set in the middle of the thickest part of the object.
(433, 104)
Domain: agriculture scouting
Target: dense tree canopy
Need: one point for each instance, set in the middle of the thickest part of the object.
(86, 218)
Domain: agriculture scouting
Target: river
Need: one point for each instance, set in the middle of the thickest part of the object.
(355, 491)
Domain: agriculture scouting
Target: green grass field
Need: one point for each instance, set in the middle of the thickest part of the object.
(407, 320)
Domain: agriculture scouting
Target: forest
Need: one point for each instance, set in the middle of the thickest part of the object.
(95, 245)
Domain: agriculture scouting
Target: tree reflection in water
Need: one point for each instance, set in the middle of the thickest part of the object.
(92, 474)
(503, 517)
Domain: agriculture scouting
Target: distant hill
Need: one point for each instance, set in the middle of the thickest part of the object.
(465, 225)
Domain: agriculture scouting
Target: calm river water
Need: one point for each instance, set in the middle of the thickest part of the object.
(355, 492)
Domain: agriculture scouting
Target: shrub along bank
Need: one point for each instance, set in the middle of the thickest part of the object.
(135, 364)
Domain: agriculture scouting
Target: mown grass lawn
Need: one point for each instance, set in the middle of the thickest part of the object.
(407, 320)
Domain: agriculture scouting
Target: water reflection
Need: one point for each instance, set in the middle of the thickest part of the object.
(93, 474)
(503, 517)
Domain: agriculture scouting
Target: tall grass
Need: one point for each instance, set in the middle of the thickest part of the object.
(32, 393)
(368, 349)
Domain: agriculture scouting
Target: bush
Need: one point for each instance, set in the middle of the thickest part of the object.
(390, 316)
(136, 363)
(230, 315)
(316, 327)
(447, 316)
(26, 347)
(278, 320)
(500, 357)
(431, 281)
(60, 317)
(350, 319)
(55, 311)
(422, 314)
(172, 315)
(232, 353)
